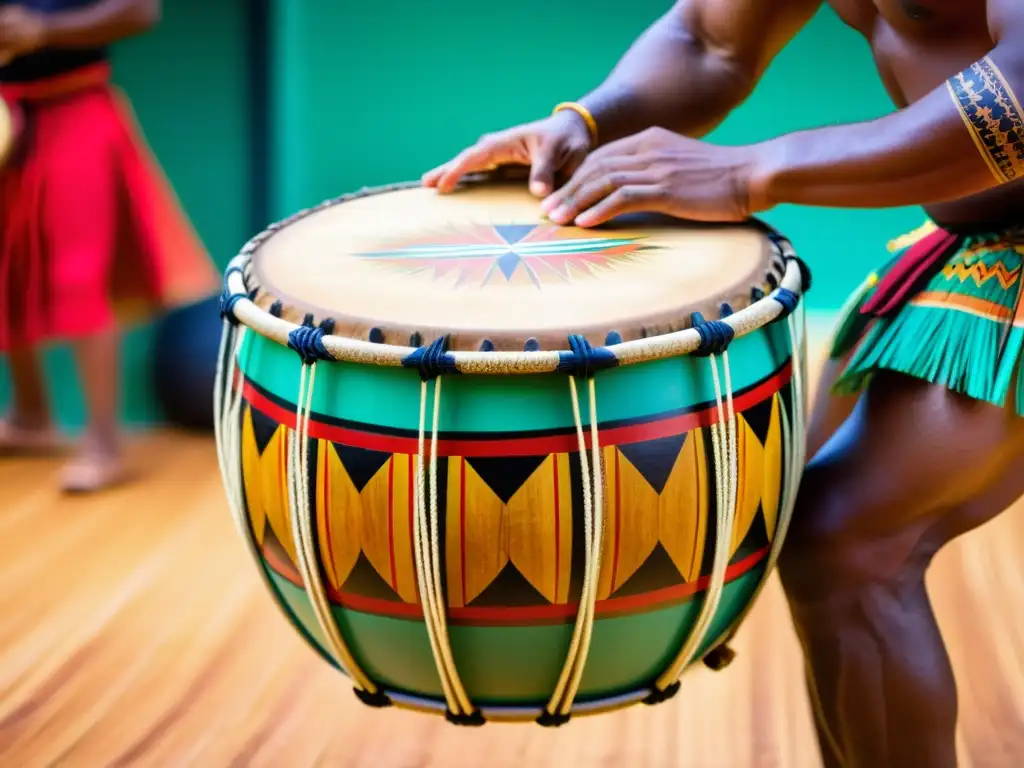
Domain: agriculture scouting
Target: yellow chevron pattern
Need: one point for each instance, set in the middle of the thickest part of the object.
(638, 518)
(376, 522)
(533, 531)
(266, 489)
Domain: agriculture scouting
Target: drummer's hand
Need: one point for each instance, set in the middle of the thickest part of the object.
(557, 143)
(21, 31)
(657, 171)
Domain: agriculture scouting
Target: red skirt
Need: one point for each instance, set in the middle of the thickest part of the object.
(91, 233)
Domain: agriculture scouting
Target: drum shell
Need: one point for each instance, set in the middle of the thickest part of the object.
(509, 497)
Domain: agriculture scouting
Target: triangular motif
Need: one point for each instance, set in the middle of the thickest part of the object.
(360, 464)
(364, 580)
(513, 233)
(507, 474)
(509, 588)
(654, 459)
(755, 540)
(657, 572)
(759, 418)
(263, 429)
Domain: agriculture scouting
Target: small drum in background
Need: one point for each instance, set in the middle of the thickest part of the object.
(503, 470)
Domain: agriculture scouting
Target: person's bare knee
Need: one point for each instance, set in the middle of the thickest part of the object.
(843, 540)
(906, 458)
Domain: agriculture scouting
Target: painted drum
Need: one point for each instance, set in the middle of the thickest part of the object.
(501, 470)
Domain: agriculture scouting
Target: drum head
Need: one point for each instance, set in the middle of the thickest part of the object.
(483, 265)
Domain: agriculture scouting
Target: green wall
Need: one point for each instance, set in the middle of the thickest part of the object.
(188, 83)
(373, 93)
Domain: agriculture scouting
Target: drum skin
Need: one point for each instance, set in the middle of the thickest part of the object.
(510, 514)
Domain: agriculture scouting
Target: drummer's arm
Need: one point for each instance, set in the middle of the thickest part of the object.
(964, 137)
(99, 24)
(694, 65)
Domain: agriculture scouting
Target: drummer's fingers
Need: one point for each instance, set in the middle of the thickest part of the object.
(429, 179)
(573, 162)
(486, 155)
(597, 189)
(543, 164)
(591, 169)
(467, 161)
(446, 176)
(649, 198)
(548, 157)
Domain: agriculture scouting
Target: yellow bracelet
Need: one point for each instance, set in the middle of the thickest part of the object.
(583, 112)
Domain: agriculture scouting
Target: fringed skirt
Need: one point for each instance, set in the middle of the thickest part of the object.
(91, 233)
(946, 309)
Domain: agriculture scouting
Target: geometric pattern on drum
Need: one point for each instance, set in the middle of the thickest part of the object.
(512, 253)
(512, 526)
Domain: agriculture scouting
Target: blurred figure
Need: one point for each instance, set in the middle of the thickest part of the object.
(90, 232)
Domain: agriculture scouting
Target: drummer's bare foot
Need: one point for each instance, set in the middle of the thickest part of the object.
(93, 470)
(19, 437)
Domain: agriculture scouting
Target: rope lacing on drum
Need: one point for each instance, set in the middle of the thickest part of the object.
(714, 344)
(228, 301)
(307, 341)
(794, 434)
(432, 362)
(583, 361)
(227, 409)
(794, 438)
(228, 401)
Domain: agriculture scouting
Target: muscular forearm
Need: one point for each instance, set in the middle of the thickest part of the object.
(100, 24)
(938, 149)
(668, 78)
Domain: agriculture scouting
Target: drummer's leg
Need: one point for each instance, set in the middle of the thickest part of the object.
(829, 410)
(912, 468)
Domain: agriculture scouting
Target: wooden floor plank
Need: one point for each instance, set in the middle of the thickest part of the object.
(136, 633)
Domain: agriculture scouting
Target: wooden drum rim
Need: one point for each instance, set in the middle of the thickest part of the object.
(757, 315)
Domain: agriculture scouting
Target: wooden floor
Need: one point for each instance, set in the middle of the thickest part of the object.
(136, 633)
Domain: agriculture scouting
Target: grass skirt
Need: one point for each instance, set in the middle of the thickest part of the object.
(962, 329)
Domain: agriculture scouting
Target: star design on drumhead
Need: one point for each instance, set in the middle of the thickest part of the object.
(510, 253)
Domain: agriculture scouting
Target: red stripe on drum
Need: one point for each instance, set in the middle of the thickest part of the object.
(481, 445)
(498, 616)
